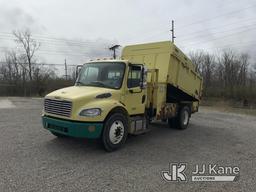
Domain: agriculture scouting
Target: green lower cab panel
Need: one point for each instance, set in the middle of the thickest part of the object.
(72, 128)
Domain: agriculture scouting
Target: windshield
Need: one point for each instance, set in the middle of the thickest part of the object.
(109, 75)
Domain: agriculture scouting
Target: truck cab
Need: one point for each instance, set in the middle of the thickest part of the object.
(105, 92)
(114, 98)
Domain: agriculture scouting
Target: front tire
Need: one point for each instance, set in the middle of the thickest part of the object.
(115, 132)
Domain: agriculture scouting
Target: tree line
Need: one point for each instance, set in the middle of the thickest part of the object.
(228, 74)
(22, 75)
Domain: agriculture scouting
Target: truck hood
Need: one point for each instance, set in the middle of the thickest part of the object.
(78, 92)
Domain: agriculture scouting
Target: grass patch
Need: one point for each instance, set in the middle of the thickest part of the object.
(231, 106)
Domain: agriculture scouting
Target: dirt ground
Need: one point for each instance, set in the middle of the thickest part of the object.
(31, 159)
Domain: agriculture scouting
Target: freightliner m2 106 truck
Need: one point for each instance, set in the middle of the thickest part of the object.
(114, 98)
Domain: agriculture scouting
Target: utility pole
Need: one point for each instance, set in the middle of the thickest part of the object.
(113, 48)
(66, 70)
(172, 30)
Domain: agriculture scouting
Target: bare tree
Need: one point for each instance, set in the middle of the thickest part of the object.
(208, 68)
(197, 58)
(12, 61)
(230, 69)
(29, 45)
(205, 65)
(244, 63)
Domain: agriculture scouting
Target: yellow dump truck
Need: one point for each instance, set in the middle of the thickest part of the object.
(114, 98)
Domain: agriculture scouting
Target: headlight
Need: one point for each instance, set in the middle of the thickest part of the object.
(90, 112)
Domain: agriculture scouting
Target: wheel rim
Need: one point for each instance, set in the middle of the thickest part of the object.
(116, 132)
(185, 117)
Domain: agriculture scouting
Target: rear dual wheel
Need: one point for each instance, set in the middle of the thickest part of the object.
(181, 121)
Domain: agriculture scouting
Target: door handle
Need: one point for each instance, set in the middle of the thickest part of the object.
(143, 99)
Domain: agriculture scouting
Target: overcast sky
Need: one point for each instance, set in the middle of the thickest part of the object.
(79, 30)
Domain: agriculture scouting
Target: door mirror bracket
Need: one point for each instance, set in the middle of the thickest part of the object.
(143, 83)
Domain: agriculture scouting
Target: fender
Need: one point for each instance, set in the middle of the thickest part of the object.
(106, 105)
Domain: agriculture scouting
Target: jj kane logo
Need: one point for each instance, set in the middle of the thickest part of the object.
(175, 173)
(204, 172)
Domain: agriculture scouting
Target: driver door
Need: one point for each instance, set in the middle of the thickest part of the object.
(135, 96)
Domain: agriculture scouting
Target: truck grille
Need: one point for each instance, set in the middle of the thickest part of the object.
(57, 107)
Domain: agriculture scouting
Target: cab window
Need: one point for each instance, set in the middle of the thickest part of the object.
(134, 76)
(91, 73)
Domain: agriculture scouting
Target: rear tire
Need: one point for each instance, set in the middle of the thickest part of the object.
(115, 132)
(164, 120)
(183, 118)
(172, 122)
(181, 121)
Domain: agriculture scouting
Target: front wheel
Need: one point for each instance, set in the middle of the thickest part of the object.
(115, 132)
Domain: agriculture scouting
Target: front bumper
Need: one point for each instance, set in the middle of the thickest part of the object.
(73, 128)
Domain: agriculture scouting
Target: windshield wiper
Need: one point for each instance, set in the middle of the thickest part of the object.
(94, 83)
(79, 83)
(98, 83)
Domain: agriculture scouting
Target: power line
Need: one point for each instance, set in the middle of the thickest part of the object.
(51, 52)
(205, 20)
(215, 17)
(70, 52)
(51, 39)
(233, 46)
(198, 33)
(166, 31)
(222, 37)
(91, 45)
(42, 64)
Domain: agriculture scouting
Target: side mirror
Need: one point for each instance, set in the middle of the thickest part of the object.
(78, 69)
(143, 83)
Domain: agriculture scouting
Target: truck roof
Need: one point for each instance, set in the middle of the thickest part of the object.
(108, 60)
(159, 47)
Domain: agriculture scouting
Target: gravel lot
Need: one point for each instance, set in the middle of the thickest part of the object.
(34, 160)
